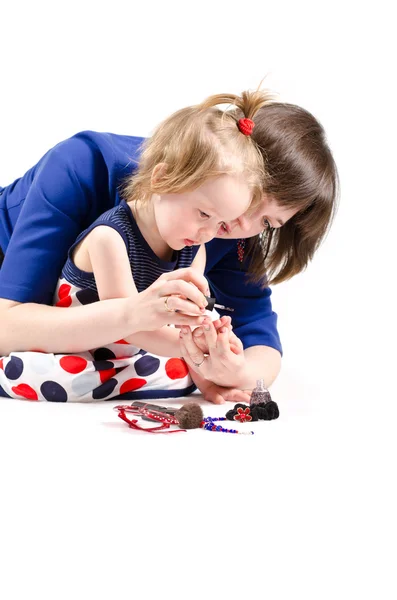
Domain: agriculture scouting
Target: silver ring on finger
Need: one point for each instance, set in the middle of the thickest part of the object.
(200, 363)
(166, 304)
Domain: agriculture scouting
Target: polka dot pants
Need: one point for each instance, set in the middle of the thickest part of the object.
(118, 370)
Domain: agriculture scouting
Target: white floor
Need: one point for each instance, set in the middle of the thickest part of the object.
(305, 508)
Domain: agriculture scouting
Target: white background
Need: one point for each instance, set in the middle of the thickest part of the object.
(306, 507)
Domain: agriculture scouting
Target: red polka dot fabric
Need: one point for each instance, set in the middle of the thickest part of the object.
(73, 364)
(64, 296)
(176, 368)
(102, 373)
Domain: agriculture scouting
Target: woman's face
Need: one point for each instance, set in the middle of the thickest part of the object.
(251, 223)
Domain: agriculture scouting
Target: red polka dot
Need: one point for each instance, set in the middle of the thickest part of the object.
(64, 290)
(132, 384)
(121, 342)
(65, 302)
(1, 364)
(176, 368)
(73, 364)
(105, 375)
(25, 391)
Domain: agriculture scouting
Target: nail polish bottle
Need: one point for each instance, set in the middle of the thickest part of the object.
(260, 394)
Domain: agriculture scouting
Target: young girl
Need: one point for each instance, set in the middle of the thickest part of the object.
(198, 172)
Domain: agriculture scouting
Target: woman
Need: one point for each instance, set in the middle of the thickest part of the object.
(42, 213)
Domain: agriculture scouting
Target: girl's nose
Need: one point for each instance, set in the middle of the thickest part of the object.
(208, 233)
(244, 223)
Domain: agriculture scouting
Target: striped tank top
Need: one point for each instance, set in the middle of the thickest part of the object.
(146, 266)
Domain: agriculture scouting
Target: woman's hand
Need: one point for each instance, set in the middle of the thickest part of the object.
(200, 339)
(172, 299)
(225, 361)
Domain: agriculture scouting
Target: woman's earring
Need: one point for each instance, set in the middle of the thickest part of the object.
(240, 249)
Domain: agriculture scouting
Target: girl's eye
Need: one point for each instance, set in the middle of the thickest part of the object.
(204, 215)
(266, 224)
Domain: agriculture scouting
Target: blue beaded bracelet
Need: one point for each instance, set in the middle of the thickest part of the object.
(209, 425)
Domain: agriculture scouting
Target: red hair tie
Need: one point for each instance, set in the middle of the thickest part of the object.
(246, 126)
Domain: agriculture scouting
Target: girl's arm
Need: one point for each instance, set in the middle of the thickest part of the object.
(200, 259)
(113, 277)
(52, 329)
(165, 341)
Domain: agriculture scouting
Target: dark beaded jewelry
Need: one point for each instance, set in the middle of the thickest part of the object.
(240, 249)
(209, 425)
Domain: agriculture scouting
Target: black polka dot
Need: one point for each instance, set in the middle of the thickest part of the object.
(14, 368)
(3, 393)
(104, 390)
(102, 365)
(53, 392)
(87, 296)
(103, 354)
(147, 365)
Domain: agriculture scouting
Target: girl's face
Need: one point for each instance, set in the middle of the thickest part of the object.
(196, 217)
(267, 215)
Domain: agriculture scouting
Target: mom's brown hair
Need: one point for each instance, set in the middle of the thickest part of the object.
(300, 174)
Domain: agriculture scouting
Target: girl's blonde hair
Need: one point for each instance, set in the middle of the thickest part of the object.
(198, 143)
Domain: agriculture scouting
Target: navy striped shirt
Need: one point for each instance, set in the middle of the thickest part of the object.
(146, 266)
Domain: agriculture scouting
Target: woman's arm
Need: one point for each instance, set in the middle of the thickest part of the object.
(31, 326)
(58, 203)
(261, 362)
(254, 320)
(254, 325)
(27, 327)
